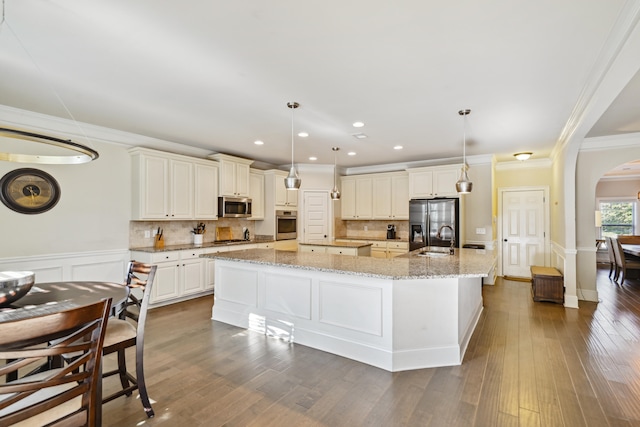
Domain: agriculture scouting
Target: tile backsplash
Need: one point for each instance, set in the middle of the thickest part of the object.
(370, 229)
(179, 232)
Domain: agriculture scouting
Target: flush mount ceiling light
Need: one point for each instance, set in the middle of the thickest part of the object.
(522, 156)
(398, 147)
(351, 153)
(258, 142)
(303, 134)
(464, 185)
(313, 158)
(292, 181)
(358, 124)
(335, 193)
(50, 150)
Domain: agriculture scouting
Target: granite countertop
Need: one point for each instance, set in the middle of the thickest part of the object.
(338, 244)
(465, 263)
(189, 246)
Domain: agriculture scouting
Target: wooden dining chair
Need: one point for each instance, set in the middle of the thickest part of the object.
(70, 395)
(623, 262)
(127, 330)
(613, 265)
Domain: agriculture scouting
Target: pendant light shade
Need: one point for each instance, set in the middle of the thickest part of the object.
(335, 193)
(292, 181)
(464, 185)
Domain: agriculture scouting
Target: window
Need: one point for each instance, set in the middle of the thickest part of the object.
(617, 217)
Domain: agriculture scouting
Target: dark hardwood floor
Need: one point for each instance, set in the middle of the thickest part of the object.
(528, 364)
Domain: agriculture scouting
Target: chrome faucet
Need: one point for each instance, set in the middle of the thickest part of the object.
(453, 237)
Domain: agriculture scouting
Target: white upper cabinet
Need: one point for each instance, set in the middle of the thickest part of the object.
(205, 190)
(234, 175)
(390, 196)
(284, 198)
(162, 185)
(180, 189)
(357, 197)
(171, 186)
(256, 192)
(435, 181)
(400, 196)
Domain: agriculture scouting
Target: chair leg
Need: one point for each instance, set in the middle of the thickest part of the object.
(122, 370)
(142, 385)
(610, 269)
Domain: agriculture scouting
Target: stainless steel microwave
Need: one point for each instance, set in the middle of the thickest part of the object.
(234, 207)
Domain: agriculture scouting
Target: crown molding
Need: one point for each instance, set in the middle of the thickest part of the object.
(88, 133)
(611, 142)
(526, 164)
(399, 167)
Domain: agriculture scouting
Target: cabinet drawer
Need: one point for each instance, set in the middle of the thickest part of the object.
(378, 244)
(155, 258)
(165, 256)
(398, 245)
(191, 253)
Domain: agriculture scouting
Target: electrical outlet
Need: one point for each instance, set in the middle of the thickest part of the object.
(147, 234)
(481, 231)
(366, 228)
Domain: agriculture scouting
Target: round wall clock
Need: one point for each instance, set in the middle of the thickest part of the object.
(29, 191)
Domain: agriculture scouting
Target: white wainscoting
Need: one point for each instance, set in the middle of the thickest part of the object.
(107, 266)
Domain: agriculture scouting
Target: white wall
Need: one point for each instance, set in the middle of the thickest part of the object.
(92, 214)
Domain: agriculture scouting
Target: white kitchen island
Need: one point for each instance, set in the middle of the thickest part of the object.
(403, 313)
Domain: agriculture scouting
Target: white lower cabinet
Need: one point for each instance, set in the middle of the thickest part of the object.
(182, 274)
(178, 274)
(165, 284)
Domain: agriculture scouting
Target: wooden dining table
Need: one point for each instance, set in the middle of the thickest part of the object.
(631, 249)
(44, 298)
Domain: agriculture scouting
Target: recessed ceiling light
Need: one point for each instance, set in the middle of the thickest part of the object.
(313, 158)
(258, 142)
(351, 153)
(398, 147)
(359, 135)
(358, 124)
(303, 134)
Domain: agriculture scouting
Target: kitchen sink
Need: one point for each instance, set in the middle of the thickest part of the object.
(433, 254)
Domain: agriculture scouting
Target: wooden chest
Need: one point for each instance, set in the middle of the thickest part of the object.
(547, 284)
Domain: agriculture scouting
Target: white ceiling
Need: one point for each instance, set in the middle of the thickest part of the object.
(217, 75)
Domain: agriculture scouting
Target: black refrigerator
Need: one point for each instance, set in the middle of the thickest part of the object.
(427, 216)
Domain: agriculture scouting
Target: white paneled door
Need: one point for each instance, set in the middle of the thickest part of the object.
(523, 231)
(316, 216)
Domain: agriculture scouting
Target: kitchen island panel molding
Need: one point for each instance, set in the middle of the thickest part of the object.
(287, 294)
(245, 288)
(355, 307)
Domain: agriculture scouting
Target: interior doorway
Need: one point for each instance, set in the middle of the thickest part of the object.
(315, 226)
(524, 230)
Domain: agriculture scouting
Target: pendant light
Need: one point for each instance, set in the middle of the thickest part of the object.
(335, 194)
(464, 185)
(292, 181)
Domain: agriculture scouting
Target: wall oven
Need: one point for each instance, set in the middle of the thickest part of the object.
(286, 225)
(234, 207)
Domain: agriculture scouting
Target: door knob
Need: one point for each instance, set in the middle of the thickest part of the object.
(505, 240)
